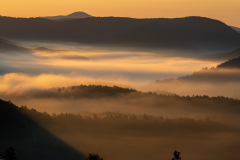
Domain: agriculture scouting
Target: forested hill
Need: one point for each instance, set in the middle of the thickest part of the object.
(190, 33)
(233, 63)
(125, 97)
(82, 91)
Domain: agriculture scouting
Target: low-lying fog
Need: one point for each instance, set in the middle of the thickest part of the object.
(76, 64)
(63, 65)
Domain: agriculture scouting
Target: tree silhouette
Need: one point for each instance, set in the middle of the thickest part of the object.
(176, 155)
(10, 154)
(92, 156)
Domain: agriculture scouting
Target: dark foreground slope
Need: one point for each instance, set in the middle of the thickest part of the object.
(190, 33)
(30, 140)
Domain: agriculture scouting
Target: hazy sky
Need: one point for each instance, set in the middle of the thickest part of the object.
(225, 10)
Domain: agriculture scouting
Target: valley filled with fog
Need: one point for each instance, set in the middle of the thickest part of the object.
(124, 88)
(93, 64)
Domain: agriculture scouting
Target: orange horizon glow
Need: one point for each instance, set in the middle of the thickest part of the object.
(225, 11)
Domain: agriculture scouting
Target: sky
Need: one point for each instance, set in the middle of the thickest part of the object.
(226, 11)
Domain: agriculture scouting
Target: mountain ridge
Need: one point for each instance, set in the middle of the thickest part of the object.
(189, 33)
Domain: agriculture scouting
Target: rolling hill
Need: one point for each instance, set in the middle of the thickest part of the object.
(186, 34)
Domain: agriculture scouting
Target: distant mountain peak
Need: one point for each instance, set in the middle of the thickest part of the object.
(79, 13)
(73, 15)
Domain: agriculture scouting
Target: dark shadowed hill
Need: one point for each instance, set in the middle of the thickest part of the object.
(8, 46)
(70, 16)
(29, 139)
(186, 34)
(233, 63)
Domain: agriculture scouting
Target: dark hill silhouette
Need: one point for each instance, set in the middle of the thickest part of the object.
(8, 46)
(82, 91)
(29, 139)
(70, 16)
(187, 34)
(233, 63)
(227, 56)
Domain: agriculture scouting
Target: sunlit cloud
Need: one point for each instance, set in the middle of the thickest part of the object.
(19, 83)
(135, 62)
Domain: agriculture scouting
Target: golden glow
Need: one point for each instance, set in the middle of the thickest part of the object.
(225, 11)
(18, 83)
(141, 62)
(117, 69)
